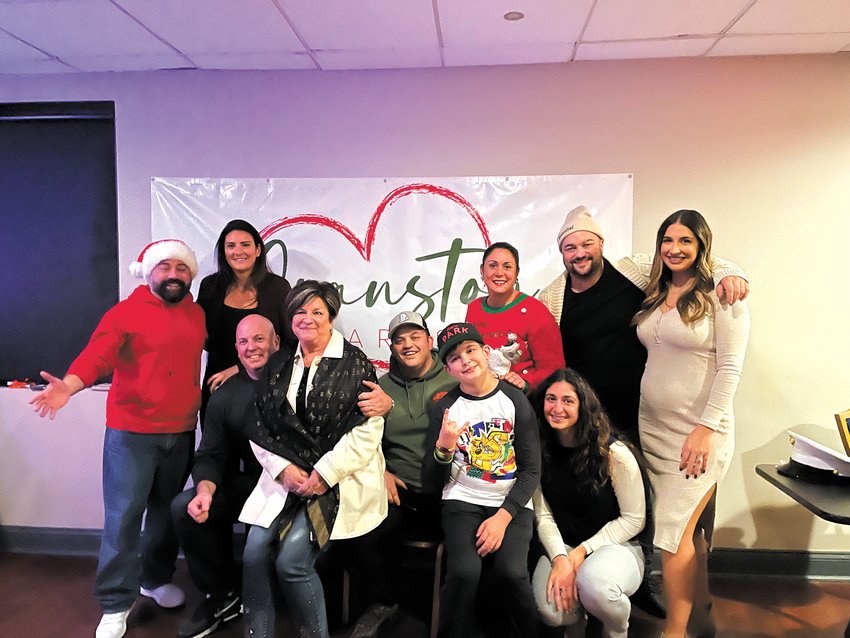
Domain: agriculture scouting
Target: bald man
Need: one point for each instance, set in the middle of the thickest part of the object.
(225, 471)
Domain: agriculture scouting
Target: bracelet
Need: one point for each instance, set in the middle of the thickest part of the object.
(442, 458)
(444, 450)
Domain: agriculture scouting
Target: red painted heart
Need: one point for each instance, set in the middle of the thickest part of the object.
(365, 247)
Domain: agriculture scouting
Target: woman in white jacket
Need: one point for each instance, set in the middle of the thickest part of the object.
(590, 506)
(323, 470)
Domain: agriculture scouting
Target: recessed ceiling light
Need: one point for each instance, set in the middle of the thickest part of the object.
(513, 16)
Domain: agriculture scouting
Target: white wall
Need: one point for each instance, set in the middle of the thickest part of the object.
(760, 145)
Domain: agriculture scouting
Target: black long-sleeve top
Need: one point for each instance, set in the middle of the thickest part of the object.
(224, 450)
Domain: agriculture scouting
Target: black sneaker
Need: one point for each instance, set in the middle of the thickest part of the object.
(212, 612)
(648, 597)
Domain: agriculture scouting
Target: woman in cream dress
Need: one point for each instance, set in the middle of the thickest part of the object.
(695, 351)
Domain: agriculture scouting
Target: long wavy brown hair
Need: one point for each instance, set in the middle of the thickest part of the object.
(695, 303)
(593, 430)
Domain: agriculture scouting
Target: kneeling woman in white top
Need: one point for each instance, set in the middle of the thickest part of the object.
(590, 506)
(323, 470)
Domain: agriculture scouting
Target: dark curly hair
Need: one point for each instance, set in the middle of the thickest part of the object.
(593, 430)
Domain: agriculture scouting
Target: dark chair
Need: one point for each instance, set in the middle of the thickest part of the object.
(414, 545)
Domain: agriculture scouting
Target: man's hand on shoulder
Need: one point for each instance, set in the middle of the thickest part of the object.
(374, 401)
(215, 380)
(733, 288)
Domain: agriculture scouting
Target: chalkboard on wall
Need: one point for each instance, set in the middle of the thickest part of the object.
(59, 257)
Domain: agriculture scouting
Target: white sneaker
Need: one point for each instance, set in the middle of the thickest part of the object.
(112, 625)
(168, 596)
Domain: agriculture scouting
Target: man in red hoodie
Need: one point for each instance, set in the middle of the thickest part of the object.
(151, 342)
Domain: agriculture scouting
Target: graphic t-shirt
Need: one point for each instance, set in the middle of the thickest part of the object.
(497, 459)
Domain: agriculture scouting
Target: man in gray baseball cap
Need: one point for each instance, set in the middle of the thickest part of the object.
(404, 395)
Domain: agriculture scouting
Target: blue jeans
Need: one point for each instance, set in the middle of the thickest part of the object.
(293, 560)
(140, 472)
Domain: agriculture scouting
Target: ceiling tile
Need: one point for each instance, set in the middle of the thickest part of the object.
(13, 49)
(780, 44)
(253, 61)
(674, 48)
(794, 16)
(117, 35)
(379, 59)
(631, 19)
(339, 25)
(468, 23)
(509, 54)
(216, 26)
(78, 27)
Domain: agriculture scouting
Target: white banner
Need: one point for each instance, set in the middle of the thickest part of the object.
(395, 244)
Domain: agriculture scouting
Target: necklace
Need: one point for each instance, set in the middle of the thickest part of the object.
(656, 329)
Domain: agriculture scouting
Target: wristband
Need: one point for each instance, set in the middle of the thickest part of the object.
(442, 458)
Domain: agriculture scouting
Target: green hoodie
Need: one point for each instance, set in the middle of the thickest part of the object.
(406, 425)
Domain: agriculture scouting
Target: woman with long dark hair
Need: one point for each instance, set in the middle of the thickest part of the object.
(590, 507)
(695, 352)
(520, 330)
(242, 285)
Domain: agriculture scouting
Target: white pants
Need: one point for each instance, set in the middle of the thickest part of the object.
(605, 581)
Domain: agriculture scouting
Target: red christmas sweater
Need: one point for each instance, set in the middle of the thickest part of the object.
(537, 335)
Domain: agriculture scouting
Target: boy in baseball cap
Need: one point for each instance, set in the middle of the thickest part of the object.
(484, 453)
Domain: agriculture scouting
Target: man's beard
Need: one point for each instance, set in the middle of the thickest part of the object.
(595, 267)
(169, 295)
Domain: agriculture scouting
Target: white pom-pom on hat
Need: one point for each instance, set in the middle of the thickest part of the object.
(161, 249)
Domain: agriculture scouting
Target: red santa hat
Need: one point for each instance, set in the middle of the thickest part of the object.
(156, 251)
